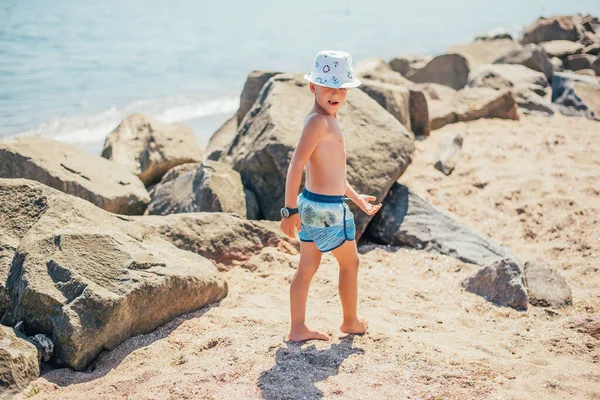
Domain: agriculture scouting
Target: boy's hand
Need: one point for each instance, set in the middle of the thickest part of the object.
(363, 203)
(287, 225)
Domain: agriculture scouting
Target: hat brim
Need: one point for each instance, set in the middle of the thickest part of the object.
(355, 82)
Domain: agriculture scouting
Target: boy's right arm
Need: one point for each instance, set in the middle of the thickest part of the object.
(312, 133)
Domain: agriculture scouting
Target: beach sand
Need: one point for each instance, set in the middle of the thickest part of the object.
(530, 185)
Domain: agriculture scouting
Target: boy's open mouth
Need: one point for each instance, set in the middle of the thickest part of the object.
(334, 103)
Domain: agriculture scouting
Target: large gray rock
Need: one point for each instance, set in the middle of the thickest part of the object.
(530, 56)
(593, 49)
(213, 186)
(484, 52)
(559, 27)
(408, 64)
(378, 70)
(448, 153)
(407, 219)
(394, 98)
(221, 139)
(19, 363)
(470, 104)
(532, 103)
(578, 62)
(596, 65)
(561, 48)
(378, 147)
(73, 171)
(545, 286)
(254, 83)
(500, 283)
(89, 279)
(448, 69)
(576, 95)
(226, 239)
(149, 148)
(501, 76)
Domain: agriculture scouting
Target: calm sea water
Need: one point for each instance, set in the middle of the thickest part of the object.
(73, 69)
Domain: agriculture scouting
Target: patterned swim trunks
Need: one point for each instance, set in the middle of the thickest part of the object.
(326, 220)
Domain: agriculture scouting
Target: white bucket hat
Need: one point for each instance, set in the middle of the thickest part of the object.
(333, 69)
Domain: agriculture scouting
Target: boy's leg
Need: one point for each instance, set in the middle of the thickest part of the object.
(310, 258)
(347, 257)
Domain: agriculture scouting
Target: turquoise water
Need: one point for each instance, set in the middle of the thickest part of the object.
(73, 70)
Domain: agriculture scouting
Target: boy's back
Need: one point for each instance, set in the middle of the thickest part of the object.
(324, 222)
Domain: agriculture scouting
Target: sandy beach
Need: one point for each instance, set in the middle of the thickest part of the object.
(529, 185)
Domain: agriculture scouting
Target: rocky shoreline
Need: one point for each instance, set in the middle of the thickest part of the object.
(485, 159)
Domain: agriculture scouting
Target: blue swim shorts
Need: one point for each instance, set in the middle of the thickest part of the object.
(326, 220)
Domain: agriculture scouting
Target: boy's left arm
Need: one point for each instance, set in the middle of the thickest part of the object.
(362, 200)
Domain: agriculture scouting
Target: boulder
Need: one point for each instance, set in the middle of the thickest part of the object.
(448, 69)
(576, 95)
(593, 49)
(480, 53)
(19, 363)
(596, 65)
(406, 219)
(419, 113)
(530, 102)
(254, 83)
(213, 186)
(530, 56)
(560, 27)
(394, 98)
(149, 148)
(561, 48)
(471, 104)
(378, 70)
(227, 239)
(74, 171)
(498, 36)
(221, 139)
(545, 286)
(378, 147)
(501, 76)
(89, 279)
(448, 152)
(406, 65)
(577, 62)
(500, 283)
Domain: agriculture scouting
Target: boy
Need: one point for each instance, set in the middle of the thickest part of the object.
(324, 222)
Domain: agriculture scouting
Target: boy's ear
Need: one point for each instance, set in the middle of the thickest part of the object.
(312, 87)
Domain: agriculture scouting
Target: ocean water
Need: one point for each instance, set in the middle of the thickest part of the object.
(73, 70)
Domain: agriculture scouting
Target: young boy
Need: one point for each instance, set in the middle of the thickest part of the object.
(324, 222)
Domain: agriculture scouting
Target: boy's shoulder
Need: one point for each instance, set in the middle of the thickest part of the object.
(316, 121)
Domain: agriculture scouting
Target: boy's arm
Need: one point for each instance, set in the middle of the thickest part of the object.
(362, 200)
(351, 193)
(312, 133)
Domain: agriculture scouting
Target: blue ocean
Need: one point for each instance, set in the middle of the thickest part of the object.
(72, 70)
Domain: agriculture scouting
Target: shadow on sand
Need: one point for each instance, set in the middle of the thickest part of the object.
(108, 360)
(297, 369)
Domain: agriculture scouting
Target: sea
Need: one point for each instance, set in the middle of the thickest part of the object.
(72, 70)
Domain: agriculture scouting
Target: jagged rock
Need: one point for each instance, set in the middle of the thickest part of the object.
(221, 139)
(530, 56)
(545, 286)
(561, 48)
(596, 65)
(579, 61)
(226, 239)
(560, 27)
(593, 49)
(378, 70)
(448, 153)
(485, 52)
(532, 103)
(501, 76)
(500, 283)
(407, 219)
(576, 95)
(448, 69)
(408, 64)
(149, 148)
(378, 147)
(89, 279)
(254, 83)
(213, 186)
(419, 113)
(471, 104)
(73, 171)
(18, 362)
(395, 99)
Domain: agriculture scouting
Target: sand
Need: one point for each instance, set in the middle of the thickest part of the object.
(530, 185)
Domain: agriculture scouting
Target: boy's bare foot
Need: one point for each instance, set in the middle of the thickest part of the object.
(306, 333)
(358, 326)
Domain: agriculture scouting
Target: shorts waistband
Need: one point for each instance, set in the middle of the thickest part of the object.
(323, 198)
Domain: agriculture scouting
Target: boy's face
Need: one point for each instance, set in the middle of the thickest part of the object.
(329, 98)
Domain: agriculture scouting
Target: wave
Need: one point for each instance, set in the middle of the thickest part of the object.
(94, 128)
